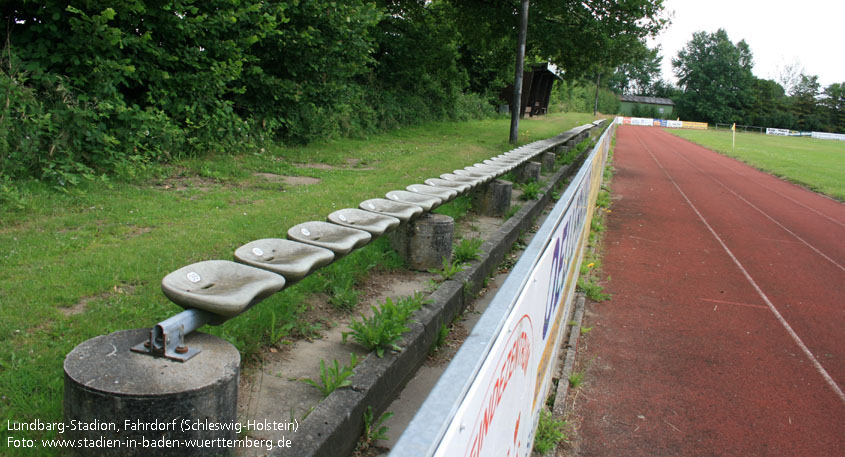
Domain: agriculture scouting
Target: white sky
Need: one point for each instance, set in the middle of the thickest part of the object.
(809, 32)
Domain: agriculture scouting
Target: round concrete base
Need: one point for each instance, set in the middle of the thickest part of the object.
(425, 242)
(128, 404)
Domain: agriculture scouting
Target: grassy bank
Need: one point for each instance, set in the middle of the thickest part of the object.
(89, 261)
(816, 164)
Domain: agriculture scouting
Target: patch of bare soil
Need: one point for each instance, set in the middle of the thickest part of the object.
(289, 180)
(82, 305)
(185, 183)
(274, 390)
(350, 163)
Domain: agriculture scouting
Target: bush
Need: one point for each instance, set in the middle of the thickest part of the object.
(91, 89)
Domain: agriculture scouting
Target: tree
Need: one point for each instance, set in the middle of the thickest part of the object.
(769, 106)
(580, 38)
(715, 77)
(789, 75)
(805, 105)
(638, 76)
(834, 103)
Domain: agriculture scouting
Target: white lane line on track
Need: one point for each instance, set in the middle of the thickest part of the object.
(835, 221)
(747, 305)
(789, 330)
(825, 256)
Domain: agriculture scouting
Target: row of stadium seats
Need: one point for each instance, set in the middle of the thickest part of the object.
(266, 266)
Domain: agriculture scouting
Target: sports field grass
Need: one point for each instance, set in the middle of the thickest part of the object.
(816, 164)
(89, 261)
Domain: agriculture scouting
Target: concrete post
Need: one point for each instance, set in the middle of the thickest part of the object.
(425, 242)
(145, 404)
(548, 161)
(493, 199)
(529, 172)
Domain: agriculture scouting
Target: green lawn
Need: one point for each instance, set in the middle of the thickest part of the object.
(89, 261)
(816, 164)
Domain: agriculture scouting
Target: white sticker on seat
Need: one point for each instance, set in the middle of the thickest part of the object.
(194, 277)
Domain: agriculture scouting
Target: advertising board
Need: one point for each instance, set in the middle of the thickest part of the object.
(694, 125)
(783, 132)
(499, 411)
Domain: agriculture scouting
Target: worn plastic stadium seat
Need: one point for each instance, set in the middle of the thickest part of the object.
(476, 175)
(402, 211)
(487, 173)
(504, 164)
(288, 258)
(220, 287)
(374, 223)
(483, 167)
(472, 181)
(443, 193)
(459, 186)
(426, 202)
(340, 240)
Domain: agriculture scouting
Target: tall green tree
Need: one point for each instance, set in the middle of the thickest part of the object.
(805, 105)
(769, 106)
(715, 77)
(638, 76)
(834, 103)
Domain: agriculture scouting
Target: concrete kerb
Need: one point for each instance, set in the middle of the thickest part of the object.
(571, 349)
(334, 426)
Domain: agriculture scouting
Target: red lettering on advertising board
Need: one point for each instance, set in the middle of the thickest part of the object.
(518, 356)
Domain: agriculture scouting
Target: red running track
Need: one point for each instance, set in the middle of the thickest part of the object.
(725, 335)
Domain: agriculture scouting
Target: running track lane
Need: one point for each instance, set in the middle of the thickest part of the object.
(690, 357)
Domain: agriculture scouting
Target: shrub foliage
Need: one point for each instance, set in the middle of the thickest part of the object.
(93, 86)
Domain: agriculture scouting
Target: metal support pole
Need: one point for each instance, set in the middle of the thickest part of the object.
(167, 338)
(596, 106)
(516, 112)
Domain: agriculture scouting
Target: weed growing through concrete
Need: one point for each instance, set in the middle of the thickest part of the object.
(531, 190)
(442, 334)
(373, 430)
(549, 432)
(333, 377)
(468, 249)
(512, 210)
(576, 380)
(450, 269)
(385, 327)
(592, 289)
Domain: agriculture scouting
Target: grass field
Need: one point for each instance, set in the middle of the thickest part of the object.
(89, 261)
(816, 164)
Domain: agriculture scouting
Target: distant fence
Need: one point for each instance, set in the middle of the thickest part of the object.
(783, 132)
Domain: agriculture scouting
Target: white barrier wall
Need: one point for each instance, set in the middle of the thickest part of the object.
(501, 397)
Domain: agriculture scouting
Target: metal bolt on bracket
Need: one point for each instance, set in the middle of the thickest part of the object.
(167, 338)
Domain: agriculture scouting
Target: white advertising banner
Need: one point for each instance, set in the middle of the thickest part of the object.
(499, 412)
(782, 132)
(642, 121)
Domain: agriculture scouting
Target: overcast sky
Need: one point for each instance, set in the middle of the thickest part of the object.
(810, 32)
